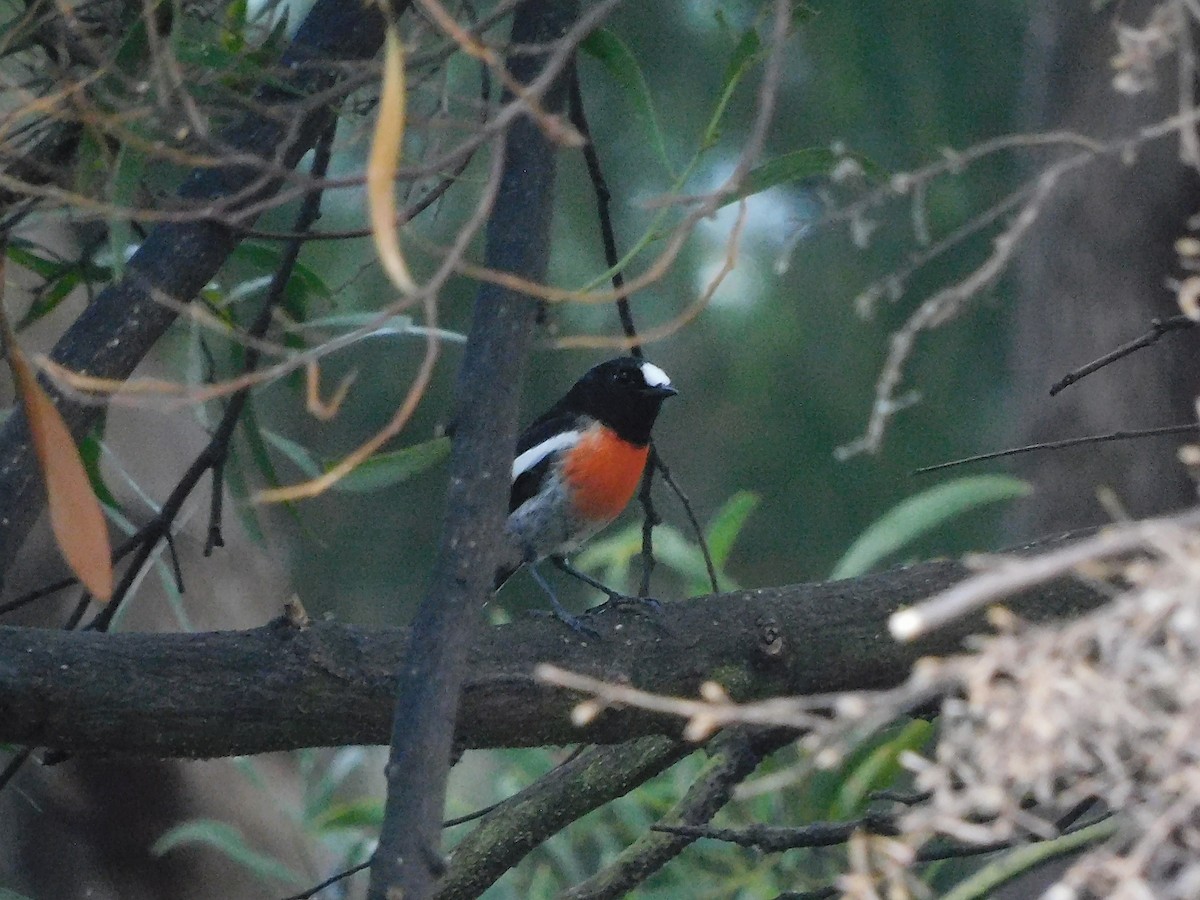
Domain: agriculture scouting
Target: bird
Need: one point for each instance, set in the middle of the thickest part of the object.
(577, 466)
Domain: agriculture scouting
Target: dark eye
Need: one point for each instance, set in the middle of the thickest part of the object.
(626, 376)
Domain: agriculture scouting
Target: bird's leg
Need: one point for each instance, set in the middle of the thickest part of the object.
(560, 613)
(615, 598)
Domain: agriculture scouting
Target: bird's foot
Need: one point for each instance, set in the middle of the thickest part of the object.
(575, 623)
(647, 607)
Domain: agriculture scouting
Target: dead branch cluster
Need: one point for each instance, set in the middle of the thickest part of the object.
(1102, 708)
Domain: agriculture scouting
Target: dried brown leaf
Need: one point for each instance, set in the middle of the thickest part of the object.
(75, 514)
(384, 163)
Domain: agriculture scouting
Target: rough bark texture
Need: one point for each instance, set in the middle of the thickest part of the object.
(278, 687)
(595, 777)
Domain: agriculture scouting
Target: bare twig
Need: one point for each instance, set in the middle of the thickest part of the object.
(1066, 442)
(1012, 576)
(714, 711)
(1158, 327)
(732, 756)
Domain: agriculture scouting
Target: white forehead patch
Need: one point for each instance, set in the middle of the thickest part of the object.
(538, 452)
(654, 376)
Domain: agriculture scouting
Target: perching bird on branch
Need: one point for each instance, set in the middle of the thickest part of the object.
(578, 465)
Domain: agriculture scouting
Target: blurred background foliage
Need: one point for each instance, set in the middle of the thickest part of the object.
(775, 375)
(779, 371)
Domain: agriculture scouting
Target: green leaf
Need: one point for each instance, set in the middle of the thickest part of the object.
(247, 513)
(621, 64)
(320, 791)
(227, 840)
(258, 447)
(680, 555)
(253, 433)
(879, 770)
(727, 524)
(304, 284)
(364, 813)
(614, 554)
(399, 326)
(90, 452)
(611, 555)
(385, 469)
(60, 277)
(48, 299)
(39, 265)
(983, 883)
(919, 515)
(299, 455)
(123, 187)
(233, 32)
(745, 54)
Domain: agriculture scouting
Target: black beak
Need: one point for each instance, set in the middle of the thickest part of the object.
(663, 390)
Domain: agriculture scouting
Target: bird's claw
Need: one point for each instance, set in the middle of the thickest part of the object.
(575, 623)
(617, 601)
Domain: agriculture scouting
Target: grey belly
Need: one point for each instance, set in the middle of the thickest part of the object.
(548, 528)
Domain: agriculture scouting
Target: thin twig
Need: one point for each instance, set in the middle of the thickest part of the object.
(331, 880)
(733, 755)
(14, 766)
(212, 457)
(603, 210)
(709, 566)
(1065, 442)
(608, 237)
(778, 838)
(650, 516)
(1158, 327)
(1016, 575)
(714, 711)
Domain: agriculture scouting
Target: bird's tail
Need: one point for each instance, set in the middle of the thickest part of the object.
(512, 557)
(503, 573)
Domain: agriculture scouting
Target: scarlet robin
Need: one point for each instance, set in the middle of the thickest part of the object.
(578, 464)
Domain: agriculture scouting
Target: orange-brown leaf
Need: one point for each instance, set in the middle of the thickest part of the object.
(75, 513)
(384, 162)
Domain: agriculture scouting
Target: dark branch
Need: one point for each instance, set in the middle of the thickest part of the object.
(1158, 327)
(279, 687)
(408, 861)
(777, 838)
(733, 755)
(1065, 442)
(608, 236)
(597, 776)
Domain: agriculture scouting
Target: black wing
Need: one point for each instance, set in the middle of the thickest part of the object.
(527, 483)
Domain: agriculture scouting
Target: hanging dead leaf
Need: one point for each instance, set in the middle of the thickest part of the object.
(384, 162)
(75, 514)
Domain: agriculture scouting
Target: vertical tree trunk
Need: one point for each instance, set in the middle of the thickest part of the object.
(1093, 276)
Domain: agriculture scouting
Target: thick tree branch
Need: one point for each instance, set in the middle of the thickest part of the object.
(120, 326)
(407, 861)
(733, 755)
(508, 833)
(279, 687)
